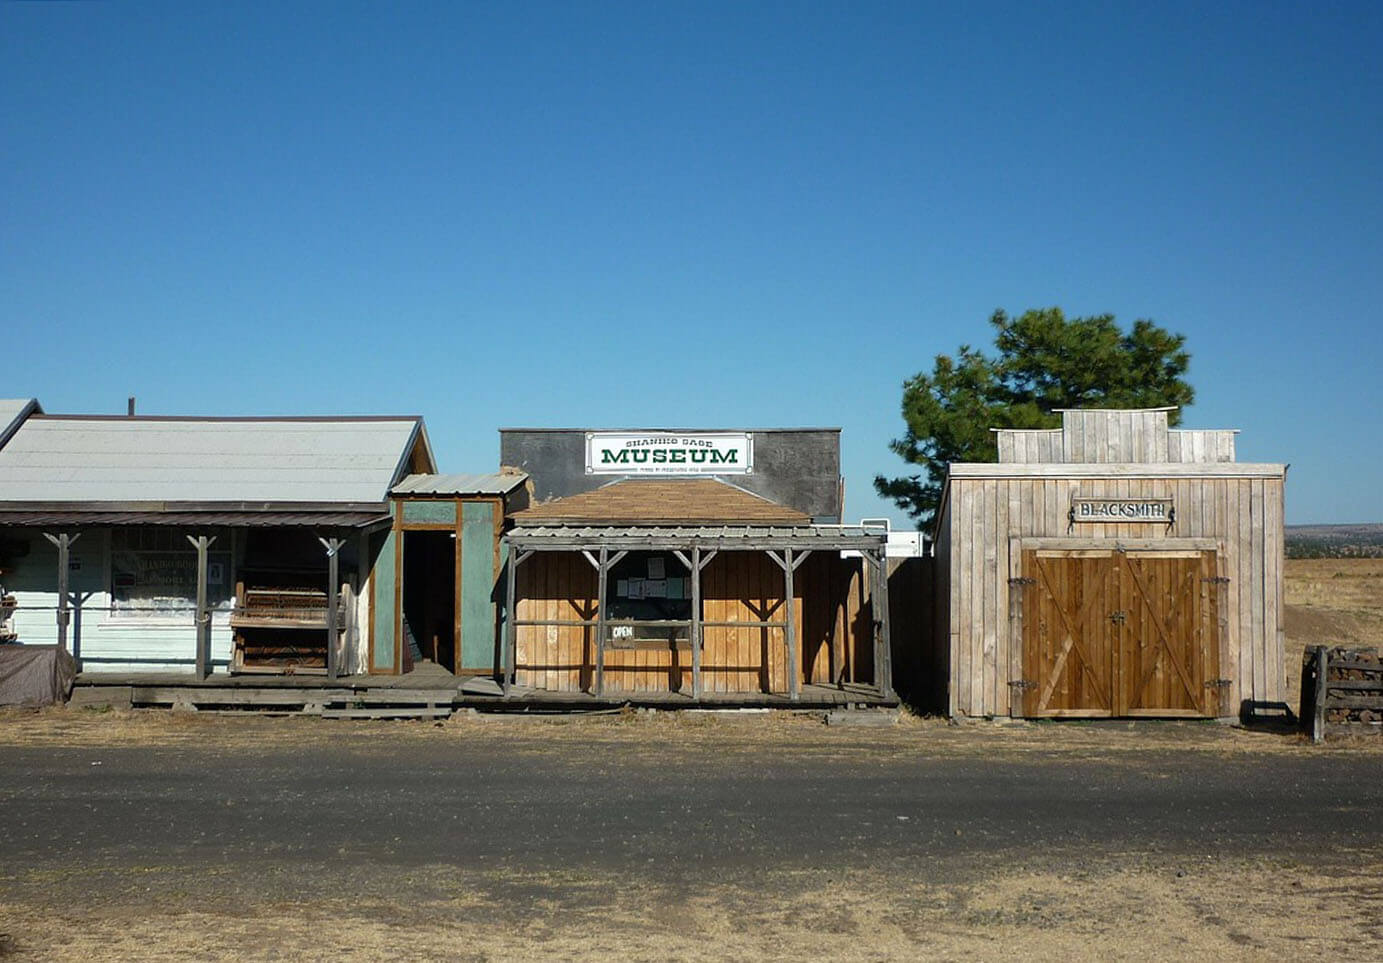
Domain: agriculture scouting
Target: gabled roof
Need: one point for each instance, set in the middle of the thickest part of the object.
(90, 459)
(690, 501)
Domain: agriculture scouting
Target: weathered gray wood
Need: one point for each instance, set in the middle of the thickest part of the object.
(203, 617)
(789, 569)
(1321, 667)
(881, 613)
(1356, 664)
(1354, 702)
(602, 581)
(63, 543)
(696, 629)
(333, 549)
(511, 630)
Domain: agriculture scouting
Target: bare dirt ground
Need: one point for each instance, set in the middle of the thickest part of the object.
(161, 836)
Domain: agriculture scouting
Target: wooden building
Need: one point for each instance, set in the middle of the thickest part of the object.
(434, 588)
(702, 565)
(1111, 567)
(184, 544)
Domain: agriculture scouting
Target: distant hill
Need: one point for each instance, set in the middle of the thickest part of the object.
(1335, 541)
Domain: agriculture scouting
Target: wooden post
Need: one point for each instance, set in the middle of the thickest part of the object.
(203, 619)
(63, 543)
(1322, 665)
(794, 691)
(510, 636)
(696, 629)
(884, 668)
(602, 580)
(333, 547)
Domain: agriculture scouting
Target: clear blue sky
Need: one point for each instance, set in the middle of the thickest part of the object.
(691, 214)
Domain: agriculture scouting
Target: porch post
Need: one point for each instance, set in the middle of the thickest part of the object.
(333, 547)
(63, 543)
(883, 649)
(203, 620)
(510, 638)
(696, 621)
(794, 690)
(602, 581)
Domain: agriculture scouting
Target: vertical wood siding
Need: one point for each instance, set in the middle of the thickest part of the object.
(831, 611)
(974, 562)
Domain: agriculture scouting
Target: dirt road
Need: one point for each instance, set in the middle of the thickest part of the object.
(157, 836)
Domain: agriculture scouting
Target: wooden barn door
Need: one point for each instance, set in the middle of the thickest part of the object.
(1108, 633)
(1170, 651)
(1068, 644)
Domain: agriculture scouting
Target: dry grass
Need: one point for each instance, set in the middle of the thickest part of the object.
(1214, 910)
(1330, 601)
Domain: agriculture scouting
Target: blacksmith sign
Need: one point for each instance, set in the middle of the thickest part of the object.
(669, 453)
(1122, 510)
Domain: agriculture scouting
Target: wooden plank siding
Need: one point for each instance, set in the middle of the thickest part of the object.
(985, 520)
(740, 591)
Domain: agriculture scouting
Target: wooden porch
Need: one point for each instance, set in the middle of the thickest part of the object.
(429, 691)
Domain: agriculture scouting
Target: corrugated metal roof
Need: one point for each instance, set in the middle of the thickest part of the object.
(13, 411)
(108, 459)
(797, 536)
(194, 519)
(497, 483)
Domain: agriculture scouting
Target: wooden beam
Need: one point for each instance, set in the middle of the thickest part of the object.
(696, 566)
(789, 569)
(883, 656)
(511, 639)
(602, 580)
(881, 616)
(203, 618)
(63, 543)
(333, 547)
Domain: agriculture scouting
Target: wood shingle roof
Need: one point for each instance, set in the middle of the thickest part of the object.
(693, 501)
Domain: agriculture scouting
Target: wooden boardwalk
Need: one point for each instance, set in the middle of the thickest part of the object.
(429, 691)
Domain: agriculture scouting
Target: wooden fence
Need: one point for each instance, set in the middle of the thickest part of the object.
(1341, 688)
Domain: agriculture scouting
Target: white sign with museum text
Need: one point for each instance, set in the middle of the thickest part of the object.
(669, 453)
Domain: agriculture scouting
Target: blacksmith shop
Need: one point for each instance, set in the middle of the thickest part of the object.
(1113, 567)
(702, 565)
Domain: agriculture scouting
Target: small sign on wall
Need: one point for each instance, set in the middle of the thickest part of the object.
(669, 453)
(1122, 510)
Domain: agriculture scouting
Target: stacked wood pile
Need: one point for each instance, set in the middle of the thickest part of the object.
(1341, 687)
(281, 630)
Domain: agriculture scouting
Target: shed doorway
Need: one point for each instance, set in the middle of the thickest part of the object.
(429, 596)
(1119, 633)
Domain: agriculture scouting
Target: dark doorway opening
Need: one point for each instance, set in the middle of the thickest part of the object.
(429, 595)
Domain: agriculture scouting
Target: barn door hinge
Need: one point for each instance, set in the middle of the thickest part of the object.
(1021, 581)
(1218, 684)
(1022, 684)
(1217, 579)
(1118, 618)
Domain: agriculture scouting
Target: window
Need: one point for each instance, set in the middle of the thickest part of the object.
(648, 601)
(154, 570)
